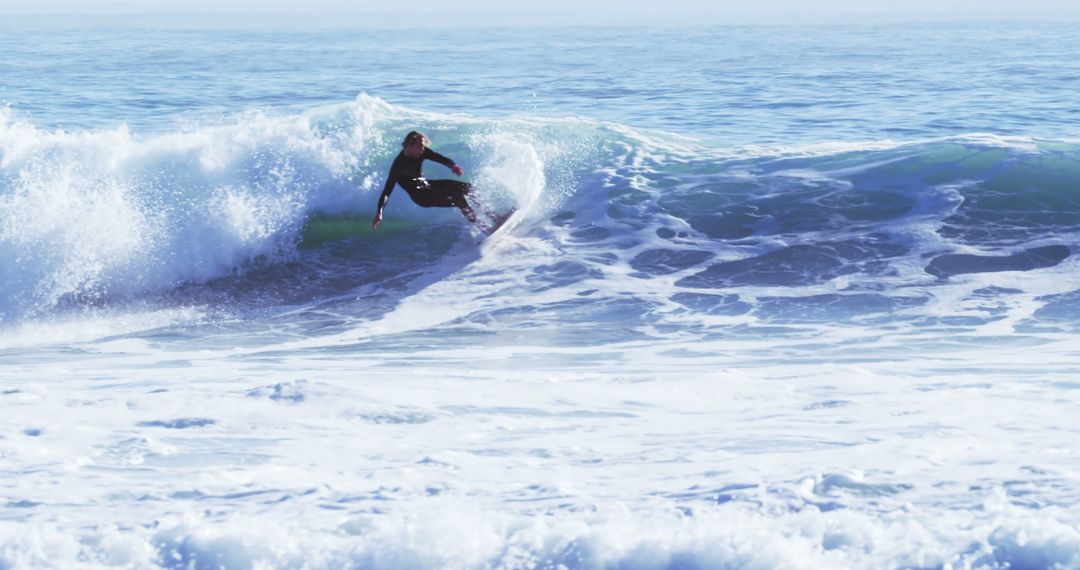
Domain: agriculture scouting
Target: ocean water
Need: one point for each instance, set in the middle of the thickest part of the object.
(775, 297)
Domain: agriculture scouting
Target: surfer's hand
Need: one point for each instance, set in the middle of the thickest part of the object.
(375, 222)
(457, 170)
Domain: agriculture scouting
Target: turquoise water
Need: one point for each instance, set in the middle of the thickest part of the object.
(775, 297)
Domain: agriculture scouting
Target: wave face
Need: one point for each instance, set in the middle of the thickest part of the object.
(92, 218)
(99, 215)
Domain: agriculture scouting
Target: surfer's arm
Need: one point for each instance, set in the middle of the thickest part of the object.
(432, 155)
(383, 199)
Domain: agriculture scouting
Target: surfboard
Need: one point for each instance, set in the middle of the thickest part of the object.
(499, 225)
(501, 220)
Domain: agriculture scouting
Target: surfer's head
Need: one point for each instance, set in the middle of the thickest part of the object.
(414, 143)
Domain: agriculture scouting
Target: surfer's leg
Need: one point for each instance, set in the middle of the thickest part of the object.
(463, 204)
(455, 193)
(474, 200)
(479, 203)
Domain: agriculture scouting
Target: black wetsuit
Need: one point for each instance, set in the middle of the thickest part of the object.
(405, 172)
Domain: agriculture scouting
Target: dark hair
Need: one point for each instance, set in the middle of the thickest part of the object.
(414, 135)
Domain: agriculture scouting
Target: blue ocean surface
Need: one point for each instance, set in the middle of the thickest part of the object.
(775, 296)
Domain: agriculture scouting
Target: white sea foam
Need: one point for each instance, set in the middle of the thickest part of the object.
(108, 213)
(636, 461)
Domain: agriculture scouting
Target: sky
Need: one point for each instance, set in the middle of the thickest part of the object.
(528, 12)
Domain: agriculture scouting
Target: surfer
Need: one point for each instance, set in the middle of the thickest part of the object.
(405, 172)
